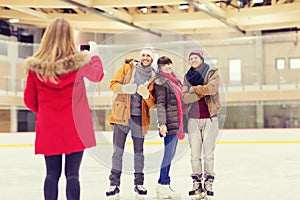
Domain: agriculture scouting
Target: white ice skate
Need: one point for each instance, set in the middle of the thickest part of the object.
(199, 196)
(113, 193)
(208, 186)
(166, 192)
(141, 192)
(197, 192)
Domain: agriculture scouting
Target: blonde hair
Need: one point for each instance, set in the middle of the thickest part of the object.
(57, 42)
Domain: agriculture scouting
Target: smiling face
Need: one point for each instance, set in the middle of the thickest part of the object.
(146, 59)
(167, 68)
(165, 64)
(195, 61)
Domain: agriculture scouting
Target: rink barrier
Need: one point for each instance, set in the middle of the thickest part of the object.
(180, 142)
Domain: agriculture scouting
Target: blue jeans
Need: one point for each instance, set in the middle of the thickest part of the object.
(170, 142)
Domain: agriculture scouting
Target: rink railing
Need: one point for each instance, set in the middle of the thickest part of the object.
(10, 86)
(277, 136)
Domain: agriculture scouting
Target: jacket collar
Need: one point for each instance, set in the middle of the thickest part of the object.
(62, 66)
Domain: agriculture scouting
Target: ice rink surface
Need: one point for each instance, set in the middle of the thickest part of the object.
(250, 164)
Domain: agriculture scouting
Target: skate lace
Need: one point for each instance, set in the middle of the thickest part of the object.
(140, 188)
(171, 189)
(208, 185)
(167, 192)
(196, 185)
(112, 188)
(168, 187)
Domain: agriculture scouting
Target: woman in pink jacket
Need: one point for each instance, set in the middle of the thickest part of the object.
(55, 91)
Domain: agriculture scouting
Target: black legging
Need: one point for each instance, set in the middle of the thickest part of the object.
(54, 166)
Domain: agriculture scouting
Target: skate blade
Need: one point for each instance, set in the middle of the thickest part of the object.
(199, 197)
(140, 197)
(114, 197)
(167, 198)
(208, 197)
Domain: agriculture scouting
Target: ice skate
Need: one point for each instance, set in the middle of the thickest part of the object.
(140, 191)
(166, 192)
(208, 185)
(158, 188)
(197, 192)
(113, 192)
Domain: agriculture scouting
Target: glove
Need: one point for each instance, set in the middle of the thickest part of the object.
(181, 135)
(95, 70)
(93, 45)
(129, 88)
(95, 59)
(143, 90)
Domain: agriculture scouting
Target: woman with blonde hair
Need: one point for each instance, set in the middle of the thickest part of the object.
(55, 91)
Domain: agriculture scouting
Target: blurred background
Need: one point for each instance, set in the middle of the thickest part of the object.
(260, 77)
(254, 44)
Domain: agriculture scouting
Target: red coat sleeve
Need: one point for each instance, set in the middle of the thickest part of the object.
(30, 93)
(93, 70)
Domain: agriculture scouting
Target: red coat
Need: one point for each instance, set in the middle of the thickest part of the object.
(64, 120)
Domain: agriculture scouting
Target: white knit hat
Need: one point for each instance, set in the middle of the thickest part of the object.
(148, 49)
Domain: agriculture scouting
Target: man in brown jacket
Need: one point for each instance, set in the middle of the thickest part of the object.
(200, 92)
(130, 112)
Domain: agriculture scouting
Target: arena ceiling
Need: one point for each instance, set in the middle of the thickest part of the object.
(187, 17)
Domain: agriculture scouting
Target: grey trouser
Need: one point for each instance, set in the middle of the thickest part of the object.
(202, 135)
(119, 138)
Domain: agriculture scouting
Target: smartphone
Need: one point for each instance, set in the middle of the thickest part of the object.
(84, 47)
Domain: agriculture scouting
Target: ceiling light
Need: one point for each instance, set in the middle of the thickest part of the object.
(14, 20)
(257, 1)
(144, 10)
(202, 6)
(183, 7)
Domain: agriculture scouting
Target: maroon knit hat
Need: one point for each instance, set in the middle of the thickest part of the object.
(198, 53)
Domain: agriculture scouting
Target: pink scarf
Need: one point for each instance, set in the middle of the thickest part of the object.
(176, 85)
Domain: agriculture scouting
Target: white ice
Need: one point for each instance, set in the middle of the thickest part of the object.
(260, 164)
